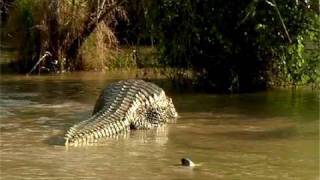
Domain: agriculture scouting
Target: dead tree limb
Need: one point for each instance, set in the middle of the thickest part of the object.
(273, 4)
(46, 54)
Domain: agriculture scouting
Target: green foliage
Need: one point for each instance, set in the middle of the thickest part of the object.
(235, 46)
(300, 62)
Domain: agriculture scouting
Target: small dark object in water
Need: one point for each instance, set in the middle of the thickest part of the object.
(186, 162)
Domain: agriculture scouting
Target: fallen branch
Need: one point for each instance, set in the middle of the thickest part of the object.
(46, 54)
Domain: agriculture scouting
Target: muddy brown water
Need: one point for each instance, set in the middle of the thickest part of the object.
(267, 135)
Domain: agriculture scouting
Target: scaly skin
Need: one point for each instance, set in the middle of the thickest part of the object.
(124, 105)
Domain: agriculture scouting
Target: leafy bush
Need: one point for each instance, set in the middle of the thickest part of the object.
(300, 63)
(235, 46)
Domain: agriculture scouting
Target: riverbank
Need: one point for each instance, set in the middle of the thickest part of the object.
(124, 57)
(143, 62)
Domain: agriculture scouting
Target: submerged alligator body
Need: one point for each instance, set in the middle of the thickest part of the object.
(124, 105)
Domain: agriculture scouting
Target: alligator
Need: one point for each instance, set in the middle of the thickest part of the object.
(122, 106)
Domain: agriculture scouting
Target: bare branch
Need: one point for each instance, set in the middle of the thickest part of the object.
(46, 54)
(273, 4)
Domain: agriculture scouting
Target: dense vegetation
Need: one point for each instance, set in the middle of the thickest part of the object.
(222, 46)
(234, 46)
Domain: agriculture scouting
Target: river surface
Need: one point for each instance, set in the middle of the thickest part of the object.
(266, 135)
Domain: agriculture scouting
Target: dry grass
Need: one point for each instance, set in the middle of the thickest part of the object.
(30, 22)
(100, 51)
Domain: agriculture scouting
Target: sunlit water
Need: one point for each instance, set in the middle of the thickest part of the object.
(269, 135)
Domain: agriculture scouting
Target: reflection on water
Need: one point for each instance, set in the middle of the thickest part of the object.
(270, 135)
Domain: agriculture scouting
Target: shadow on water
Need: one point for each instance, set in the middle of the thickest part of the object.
(56, 140)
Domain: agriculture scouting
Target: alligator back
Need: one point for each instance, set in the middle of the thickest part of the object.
(121, 106)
